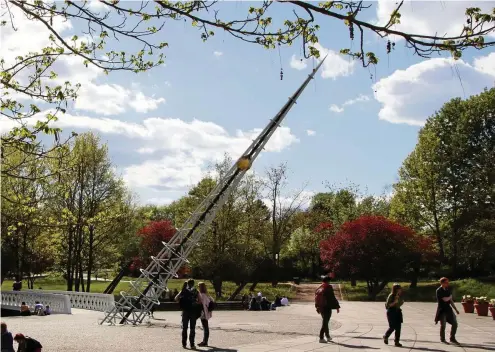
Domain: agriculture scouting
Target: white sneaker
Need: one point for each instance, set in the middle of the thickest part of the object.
(323, 341)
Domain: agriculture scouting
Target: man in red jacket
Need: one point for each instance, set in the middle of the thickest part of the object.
(325, 302)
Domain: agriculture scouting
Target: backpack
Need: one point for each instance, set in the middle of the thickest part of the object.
(320, 300)
(211, 306)
(186, 300)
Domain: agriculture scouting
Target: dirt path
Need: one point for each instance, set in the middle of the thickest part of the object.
(306, 292)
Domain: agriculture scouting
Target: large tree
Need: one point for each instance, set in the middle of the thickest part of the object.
(374, 249)
(93, 208)
(446, 184)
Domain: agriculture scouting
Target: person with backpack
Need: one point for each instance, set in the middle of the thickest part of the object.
(394, 314)
(207, 305)
(325, 302)
(27, 344)
(188, 303)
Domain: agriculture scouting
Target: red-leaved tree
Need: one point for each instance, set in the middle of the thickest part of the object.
(152, 237)
(375, 249)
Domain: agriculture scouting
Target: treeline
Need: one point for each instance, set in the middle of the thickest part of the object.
(66, 210)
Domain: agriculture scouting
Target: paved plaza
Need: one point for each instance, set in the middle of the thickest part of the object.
(360, 325)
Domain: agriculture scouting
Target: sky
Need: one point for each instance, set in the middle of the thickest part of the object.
(165, 128)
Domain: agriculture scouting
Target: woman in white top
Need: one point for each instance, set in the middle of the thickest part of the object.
(205, 300)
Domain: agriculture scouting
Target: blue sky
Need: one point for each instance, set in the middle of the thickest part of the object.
(165, 127)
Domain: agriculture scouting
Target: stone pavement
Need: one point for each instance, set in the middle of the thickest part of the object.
(360, 325)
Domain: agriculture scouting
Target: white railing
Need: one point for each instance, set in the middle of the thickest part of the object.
(87, 300)
(59, 303)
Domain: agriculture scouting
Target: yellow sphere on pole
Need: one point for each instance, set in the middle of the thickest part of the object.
(243, 164)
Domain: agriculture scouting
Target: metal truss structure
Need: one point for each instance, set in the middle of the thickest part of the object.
(136, 303)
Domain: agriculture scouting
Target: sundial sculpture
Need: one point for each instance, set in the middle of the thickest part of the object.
(136, 302)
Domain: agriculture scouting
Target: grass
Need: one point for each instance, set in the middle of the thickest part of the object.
(59, 284)
(425, 292)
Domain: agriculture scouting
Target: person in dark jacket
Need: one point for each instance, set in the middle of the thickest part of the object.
(445, 314)
(27, 344)
(394, 314)
(325, 302)
(7, 340)
(191, 310)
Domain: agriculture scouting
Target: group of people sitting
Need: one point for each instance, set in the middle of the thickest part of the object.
(39, 309)
(258, 302)
(26, 344)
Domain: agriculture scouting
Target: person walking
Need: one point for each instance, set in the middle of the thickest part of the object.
(207, 304)
(394, 314)
(325, 302)
(7, 339)
(188, 303)
(444, 313)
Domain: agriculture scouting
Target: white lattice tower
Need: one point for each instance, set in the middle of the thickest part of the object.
(136, 302)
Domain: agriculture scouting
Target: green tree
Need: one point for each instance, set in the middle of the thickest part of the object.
(446, 184)
(94, 207)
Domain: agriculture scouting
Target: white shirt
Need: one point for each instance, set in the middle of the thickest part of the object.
(284, 301)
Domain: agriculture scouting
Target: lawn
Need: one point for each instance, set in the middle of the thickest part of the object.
(425, 292)
(59, 284)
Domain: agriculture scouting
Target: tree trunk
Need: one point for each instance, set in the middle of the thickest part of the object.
(353, 282)
(375, 289)
(90, 258)
(253, 286)
(217, 286)
(415, 276)
(70, 275)
(237, 290)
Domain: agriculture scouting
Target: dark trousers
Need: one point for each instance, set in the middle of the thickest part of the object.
(448, 317)
(206, 330)
(326, 314)
(394, 317)
(188, 319)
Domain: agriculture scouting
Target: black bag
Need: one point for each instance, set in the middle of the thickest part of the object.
(185, 300)
(211, 306)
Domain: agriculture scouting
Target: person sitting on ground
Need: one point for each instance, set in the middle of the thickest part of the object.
(48, 310)
(259, 297)
(278, 301)
(27, 344)
(38, 307)
(245, 302)
(264, 305)
(284, 301)
(254, 305)
(25, 311)
(7, 340)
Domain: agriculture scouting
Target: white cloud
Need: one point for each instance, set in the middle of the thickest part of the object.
(298, 64)
(335, 65)
(184, 149)
(96, 5)
(409, 96)
(338, 109)
(298, 199)
(217, 53)
(310, 132)
(102, 98)
(446, 18)
(485, 64)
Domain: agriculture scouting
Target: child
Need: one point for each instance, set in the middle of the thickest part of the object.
(7, 340)
(27, 344)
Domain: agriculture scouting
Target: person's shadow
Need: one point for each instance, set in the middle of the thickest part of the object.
(215, 349)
